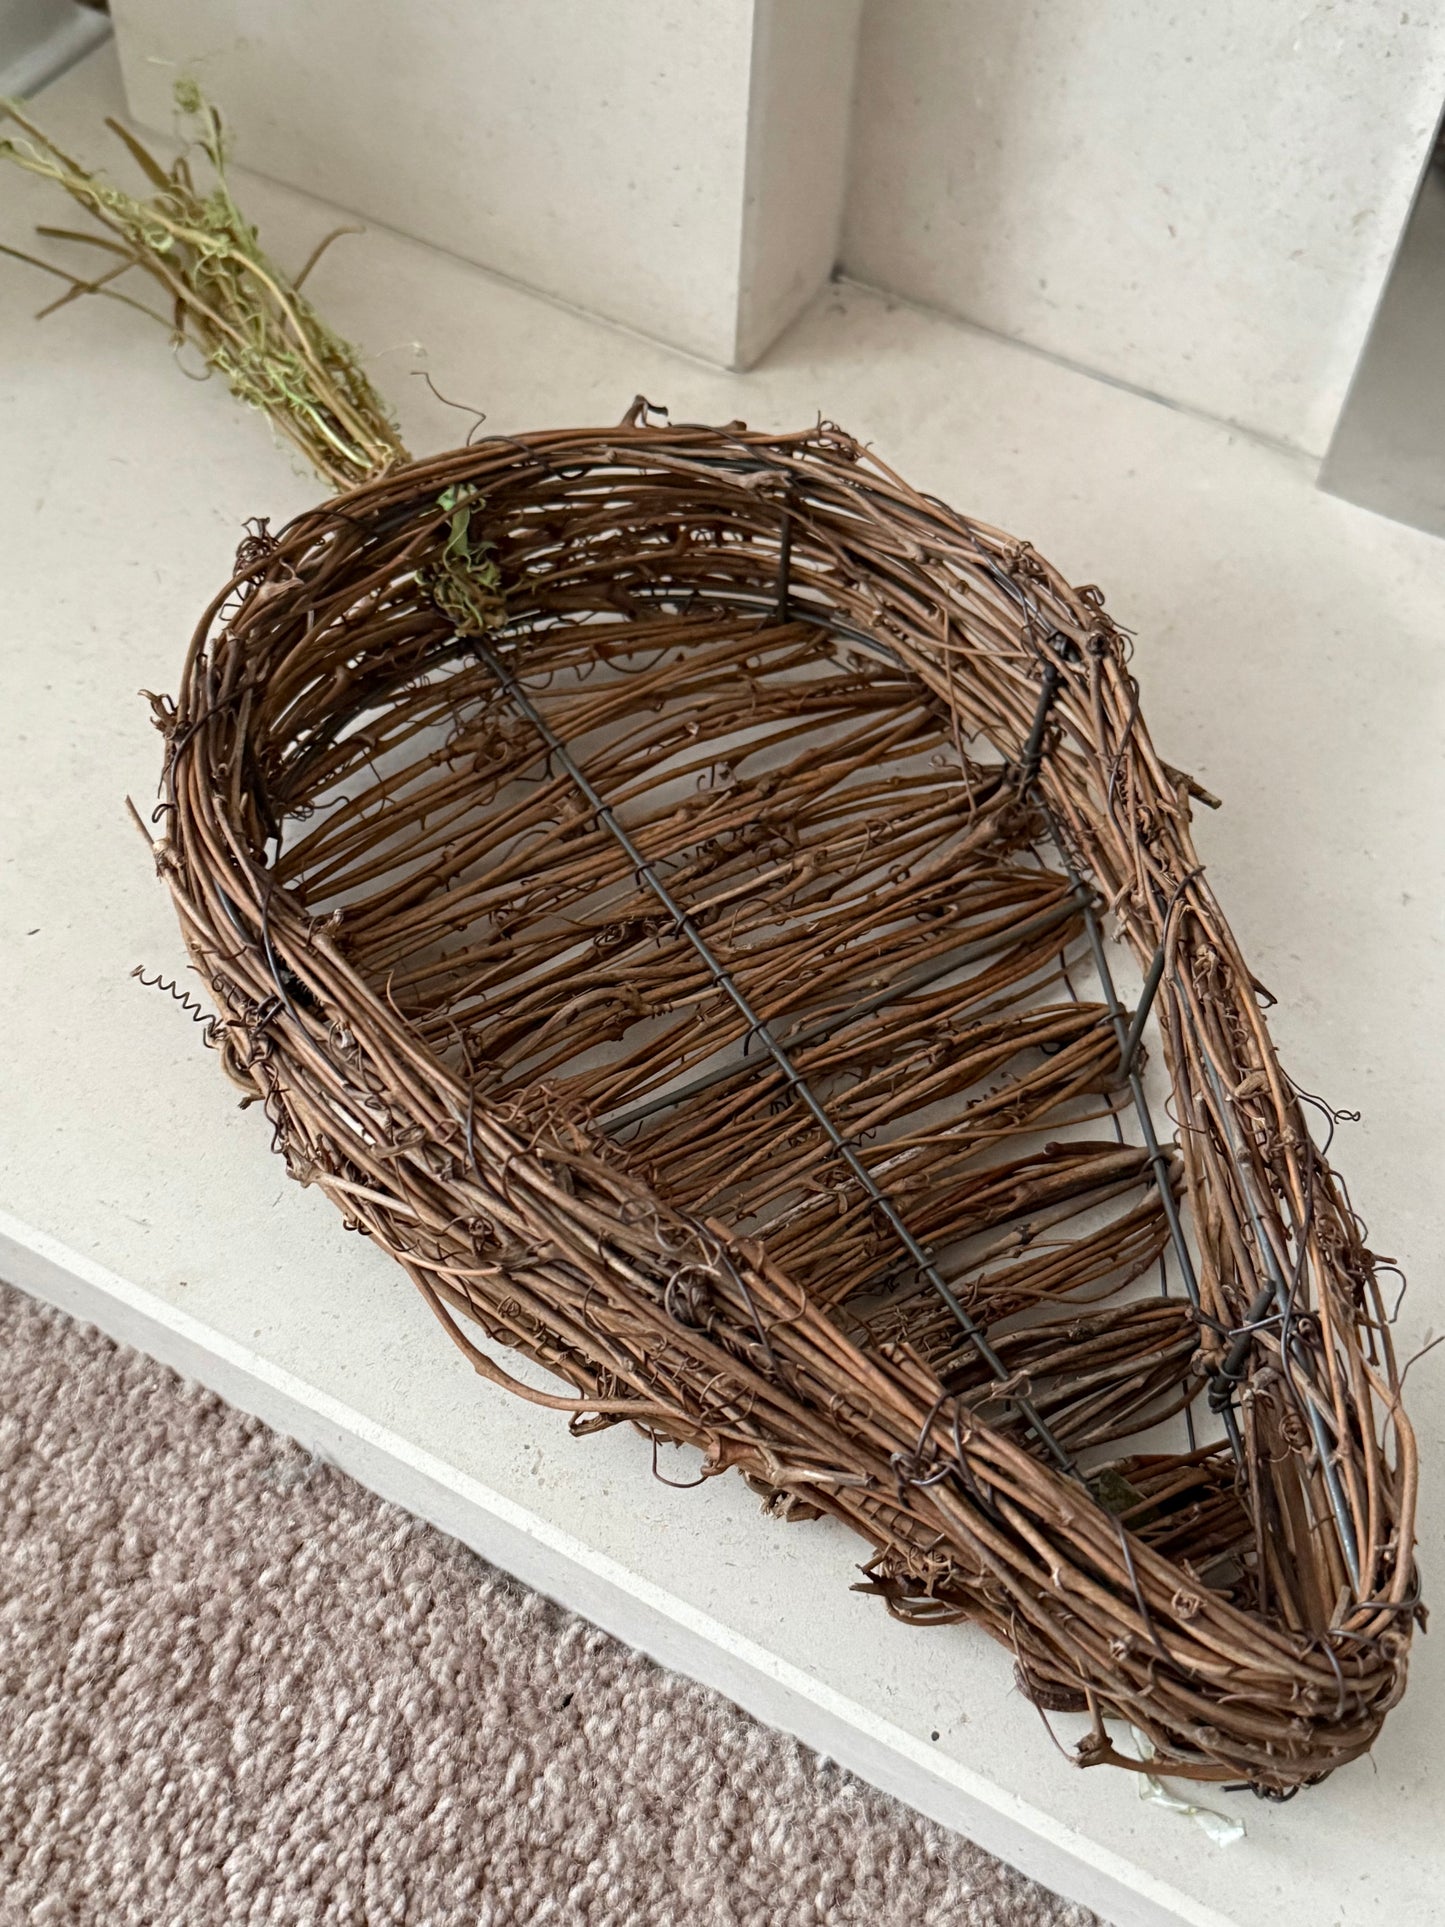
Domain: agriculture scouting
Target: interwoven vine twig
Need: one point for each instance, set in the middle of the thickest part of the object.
(678, 973)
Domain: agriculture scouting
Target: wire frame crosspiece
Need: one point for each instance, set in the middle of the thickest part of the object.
(664, 884)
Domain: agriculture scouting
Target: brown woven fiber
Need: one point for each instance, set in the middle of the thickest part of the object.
(662, 884)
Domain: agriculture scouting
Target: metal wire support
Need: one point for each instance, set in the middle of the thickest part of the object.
(1128, 1039)
(1129, 1035)
(1034, 747)
(825, 1026)
(1157, 1160)
(757, 1026)
(1221, 1390)
(1282, 1294)
(785, 563)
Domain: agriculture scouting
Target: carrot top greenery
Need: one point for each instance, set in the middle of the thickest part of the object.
(218, 289)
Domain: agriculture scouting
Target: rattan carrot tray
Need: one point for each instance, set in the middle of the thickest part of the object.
(715, 915)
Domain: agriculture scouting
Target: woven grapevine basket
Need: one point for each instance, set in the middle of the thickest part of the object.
(662, 884)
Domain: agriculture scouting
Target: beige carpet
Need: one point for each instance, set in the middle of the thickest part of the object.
(235, 1687)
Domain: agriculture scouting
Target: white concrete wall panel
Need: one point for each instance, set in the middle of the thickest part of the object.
(798, 134)
(594, 152)
(41, 38)
(673, 165)
(1200, 201)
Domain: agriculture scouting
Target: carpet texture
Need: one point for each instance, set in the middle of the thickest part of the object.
(235, 1687)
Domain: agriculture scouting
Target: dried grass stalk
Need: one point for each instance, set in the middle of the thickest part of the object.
(675, 967)
(220, 292)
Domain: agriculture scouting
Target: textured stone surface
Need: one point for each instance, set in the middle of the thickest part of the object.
(1202, 202)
